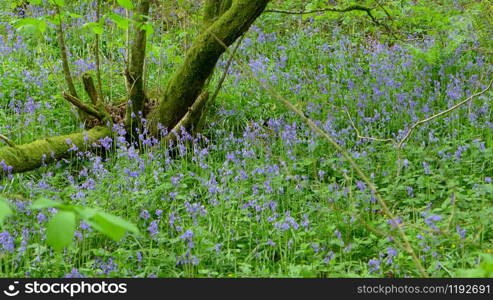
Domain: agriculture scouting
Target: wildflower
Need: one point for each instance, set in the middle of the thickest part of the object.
(153, 228)
(426, 167)
(187, 237)
(6, 241)
(144, 214)
(329, 257)
(74, 274)
(461, 232)
(374, 265)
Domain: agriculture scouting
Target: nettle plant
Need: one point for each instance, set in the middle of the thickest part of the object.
(61, 227)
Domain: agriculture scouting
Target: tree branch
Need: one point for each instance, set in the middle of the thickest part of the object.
(90, 88)
(421, 122)
(301, 12)
(339, 10)
(7, 140)
(191, 115)
(84, 107)
(63, 52)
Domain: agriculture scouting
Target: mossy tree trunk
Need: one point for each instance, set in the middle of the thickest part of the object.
(30, 156)
(187, 82)
(214, 9)
(180, 104)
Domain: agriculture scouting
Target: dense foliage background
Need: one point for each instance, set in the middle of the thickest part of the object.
(257, 193)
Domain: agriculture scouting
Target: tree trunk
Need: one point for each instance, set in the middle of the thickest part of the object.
(187, 82)
(180, 105)
(135, 73)
(214, 9)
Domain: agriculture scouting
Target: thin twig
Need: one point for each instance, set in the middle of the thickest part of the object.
(384, 9)
(358, 134)
(421, 122)
(339, 10)
(226, 69)
(7, 140)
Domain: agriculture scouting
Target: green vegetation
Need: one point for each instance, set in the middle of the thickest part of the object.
(255, 192)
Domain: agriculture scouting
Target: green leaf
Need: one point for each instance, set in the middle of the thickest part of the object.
(97, 28)
(119, 20)
(31, 25)
(148, 29)
(60, 230)
(74, 15)
(60, 3)
(5, 210)
(45, 203)
(112, 226)
(85, 213)
(126, 4)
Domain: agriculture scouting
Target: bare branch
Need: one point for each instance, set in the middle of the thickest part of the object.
(7, 140)
(191, 115)
(358, 134)
(421, 122)
(226, 69)
(339, 10)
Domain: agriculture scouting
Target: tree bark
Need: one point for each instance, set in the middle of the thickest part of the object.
(214, 9)
(187, 82)
(135, 73)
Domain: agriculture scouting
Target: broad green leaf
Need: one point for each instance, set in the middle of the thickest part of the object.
(95, 27)
(85, 213)
(112, 226)
(45, 203)
(5, 210)
(119, 20)
(60, 230)
(126, 4)
(148, 29)
(74, 15)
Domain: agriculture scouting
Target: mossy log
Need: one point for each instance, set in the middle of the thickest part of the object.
(26, 157)
(188, 81)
